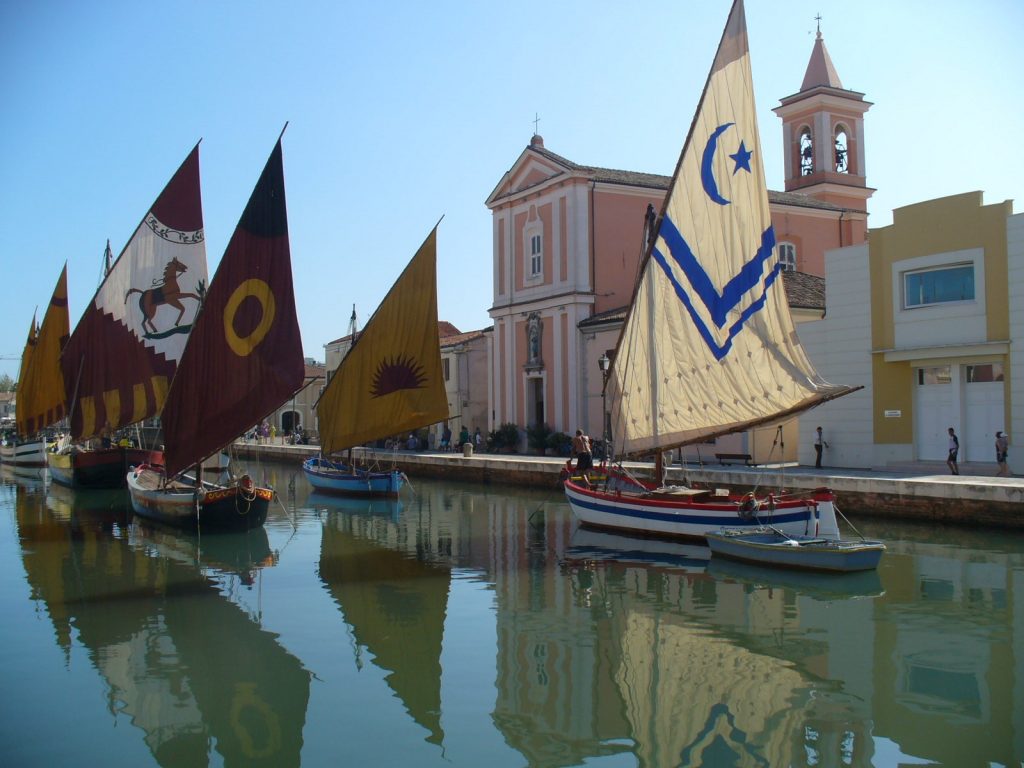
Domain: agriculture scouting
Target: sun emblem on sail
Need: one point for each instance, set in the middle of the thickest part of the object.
(395, 374)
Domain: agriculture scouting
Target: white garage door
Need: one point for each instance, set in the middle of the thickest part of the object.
(934, 414)
(984, 417)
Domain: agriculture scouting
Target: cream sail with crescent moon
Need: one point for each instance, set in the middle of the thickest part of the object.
(709, 345)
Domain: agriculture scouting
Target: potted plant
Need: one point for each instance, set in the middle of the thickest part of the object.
(559, 444)
(537, 437)
(505, 439)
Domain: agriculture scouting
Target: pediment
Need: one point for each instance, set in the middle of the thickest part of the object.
(530, 170)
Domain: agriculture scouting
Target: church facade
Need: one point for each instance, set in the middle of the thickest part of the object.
(567, 243)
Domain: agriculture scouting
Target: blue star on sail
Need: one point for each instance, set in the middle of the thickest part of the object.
(742, 158)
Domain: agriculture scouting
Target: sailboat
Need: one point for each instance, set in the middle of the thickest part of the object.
(243, 359)
(708, 347)
(40, 393)
(389, 383)
(125, 348)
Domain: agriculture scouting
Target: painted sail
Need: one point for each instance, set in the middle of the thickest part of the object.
(244, 356)
(709, 345)
(123, 353)
(40, 395)
(390, 381)
(26, 356)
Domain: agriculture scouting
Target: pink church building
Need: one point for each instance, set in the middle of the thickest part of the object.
(567, 243)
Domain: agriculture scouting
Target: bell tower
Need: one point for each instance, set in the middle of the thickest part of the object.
(823, 137)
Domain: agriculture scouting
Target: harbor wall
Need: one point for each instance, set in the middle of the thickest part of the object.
(963, 499)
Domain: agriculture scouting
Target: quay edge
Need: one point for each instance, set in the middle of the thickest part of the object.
(976, 500)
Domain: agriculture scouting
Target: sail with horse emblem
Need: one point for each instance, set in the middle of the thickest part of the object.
(122, 355)
(243, 359)
(708, 347)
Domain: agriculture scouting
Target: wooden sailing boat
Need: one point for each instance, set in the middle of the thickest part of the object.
(243, 359)
(389, 383)
(708, 347)
(123, 353)
(40, 393)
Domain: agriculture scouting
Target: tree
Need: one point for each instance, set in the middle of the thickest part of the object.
(7, 384)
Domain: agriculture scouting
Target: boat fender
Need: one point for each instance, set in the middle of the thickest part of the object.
(247, 487)
(748, 507)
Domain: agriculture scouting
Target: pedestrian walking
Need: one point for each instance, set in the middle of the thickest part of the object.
(819, 444)
(954, 449)
(1002, 446)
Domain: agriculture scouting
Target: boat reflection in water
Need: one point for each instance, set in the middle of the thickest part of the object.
(475, 626)
(158, 615)
(393, 594)
(378, 506)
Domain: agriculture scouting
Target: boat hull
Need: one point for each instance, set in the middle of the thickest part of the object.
(332, 477)
(769, 547)
(639, 511)
(238, 507)
(103, 468)
(32, 454)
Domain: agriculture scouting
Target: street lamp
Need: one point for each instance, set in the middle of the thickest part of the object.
(604, 364)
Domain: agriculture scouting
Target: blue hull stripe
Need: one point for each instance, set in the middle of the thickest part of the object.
(724, 517)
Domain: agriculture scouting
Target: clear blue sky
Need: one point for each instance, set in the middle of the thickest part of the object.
(405, 111)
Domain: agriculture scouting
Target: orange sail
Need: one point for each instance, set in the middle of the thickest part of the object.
(390, 382)
(40, 392)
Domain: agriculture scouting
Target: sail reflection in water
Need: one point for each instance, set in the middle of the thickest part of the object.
(393, 599)
(467, 625)
(188, 666)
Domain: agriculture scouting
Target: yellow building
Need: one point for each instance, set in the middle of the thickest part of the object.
(926, 315)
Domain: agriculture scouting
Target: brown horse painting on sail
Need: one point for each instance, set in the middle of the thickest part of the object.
(163, 292)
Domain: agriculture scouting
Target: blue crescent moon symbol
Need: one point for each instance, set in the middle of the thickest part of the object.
(707, 176)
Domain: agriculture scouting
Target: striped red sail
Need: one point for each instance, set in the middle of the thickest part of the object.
(123, 353)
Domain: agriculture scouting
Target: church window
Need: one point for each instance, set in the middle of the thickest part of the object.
(787, 256)
(806, 153)
(842, 151)
(536, 256)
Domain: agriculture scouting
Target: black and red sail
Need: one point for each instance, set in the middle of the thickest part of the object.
(244, 356)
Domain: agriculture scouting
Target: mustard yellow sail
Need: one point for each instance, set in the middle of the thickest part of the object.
(40, 394)
(390, 382)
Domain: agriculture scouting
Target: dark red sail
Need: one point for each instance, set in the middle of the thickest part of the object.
(244, 357)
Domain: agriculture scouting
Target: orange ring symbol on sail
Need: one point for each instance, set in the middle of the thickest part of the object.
(260, 291)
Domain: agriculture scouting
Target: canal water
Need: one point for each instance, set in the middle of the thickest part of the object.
(472, 625)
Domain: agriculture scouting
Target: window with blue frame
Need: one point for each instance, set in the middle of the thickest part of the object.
(938, 286)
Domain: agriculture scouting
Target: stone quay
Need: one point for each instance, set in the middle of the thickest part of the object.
(922, 492)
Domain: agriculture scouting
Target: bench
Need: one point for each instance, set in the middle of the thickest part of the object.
(724, 458)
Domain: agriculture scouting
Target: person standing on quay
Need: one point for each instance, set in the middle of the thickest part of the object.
(819, 443)
(1002, 446)
(954, 449)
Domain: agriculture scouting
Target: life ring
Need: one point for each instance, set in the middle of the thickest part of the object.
(245, 698)
(748, 507)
